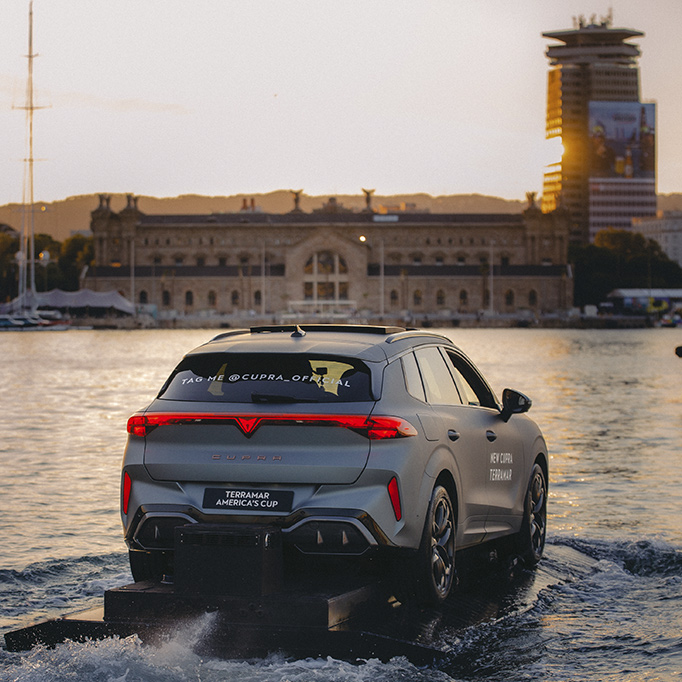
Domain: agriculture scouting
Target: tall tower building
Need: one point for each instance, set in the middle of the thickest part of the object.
(606, 175)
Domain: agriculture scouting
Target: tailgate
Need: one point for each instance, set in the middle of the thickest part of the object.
(260, 448)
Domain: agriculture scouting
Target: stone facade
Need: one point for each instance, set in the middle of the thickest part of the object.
(333, 261)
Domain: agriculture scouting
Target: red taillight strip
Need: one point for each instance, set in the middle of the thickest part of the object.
(374, 428)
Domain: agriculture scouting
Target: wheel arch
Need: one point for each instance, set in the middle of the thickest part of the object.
(446, 479)
(542, 460)
(442, 470)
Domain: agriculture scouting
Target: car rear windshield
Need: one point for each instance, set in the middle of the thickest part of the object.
(268, 378)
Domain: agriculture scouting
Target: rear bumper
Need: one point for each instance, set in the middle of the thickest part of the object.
(347, 532)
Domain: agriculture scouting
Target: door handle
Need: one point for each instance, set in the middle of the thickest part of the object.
(490, 435)
(453, 435)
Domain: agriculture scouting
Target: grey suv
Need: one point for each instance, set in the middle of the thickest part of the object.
(351, 440)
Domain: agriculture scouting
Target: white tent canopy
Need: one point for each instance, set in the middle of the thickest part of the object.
(84, 298)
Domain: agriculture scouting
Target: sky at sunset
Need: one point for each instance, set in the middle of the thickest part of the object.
(219, 97)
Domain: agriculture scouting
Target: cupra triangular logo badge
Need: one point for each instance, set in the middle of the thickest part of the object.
(248, 425)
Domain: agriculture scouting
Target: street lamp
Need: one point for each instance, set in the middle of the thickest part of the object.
(44, 258)
(492, 266)
(132, 273)
(262, 277)
(363, 239)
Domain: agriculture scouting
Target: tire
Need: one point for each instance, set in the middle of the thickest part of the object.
(531, 538)
(435, 562)
(149, 565)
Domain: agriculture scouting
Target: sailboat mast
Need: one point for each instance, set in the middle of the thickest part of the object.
(27, 261)
(30, 108)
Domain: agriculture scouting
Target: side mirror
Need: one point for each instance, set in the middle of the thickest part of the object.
(514, 402)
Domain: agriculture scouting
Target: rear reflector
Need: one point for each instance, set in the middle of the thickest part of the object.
(394, 494)
(127, 485)
(374, 428)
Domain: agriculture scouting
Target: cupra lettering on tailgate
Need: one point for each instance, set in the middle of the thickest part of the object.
(247, 458)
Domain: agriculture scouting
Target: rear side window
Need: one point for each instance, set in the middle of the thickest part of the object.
(268, 378)
(413, 380)
(438, 383)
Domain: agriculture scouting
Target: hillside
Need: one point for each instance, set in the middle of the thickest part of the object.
(60, 219)
(670, 202)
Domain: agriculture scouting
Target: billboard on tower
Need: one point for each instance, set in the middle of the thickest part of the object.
(622, 140)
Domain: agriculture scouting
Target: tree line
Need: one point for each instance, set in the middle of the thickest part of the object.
(620, 259)
(62, 270)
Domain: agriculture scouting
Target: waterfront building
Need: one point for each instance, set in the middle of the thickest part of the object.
(333, 261)
(666, 229)
(607, 172)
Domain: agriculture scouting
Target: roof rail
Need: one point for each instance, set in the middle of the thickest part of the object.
(403, 333)
(232, 332)
(338, 328)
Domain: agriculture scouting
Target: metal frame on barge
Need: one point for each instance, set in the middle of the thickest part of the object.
(234, 577)
(344, 623)
(243, 610)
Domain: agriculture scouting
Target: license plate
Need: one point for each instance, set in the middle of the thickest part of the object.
(248, 499)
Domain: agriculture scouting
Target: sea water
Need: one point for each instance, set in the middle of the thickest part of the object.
(605, 603)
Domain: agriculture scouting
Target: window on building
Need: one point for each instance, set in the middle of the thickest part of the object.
(509, 298)
(394, 298)
(165, 298)
(212, 298)
(143, 297)
(189, 299)
(440, 297)
(257, 299)
(235, 298)
(532, 298)
(201, 261)
(417, 297)
(325, 277)
(463, 298)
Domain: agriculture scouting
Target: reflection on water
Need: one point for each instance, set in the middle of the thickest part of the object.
(65, 401)
(609, 404)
